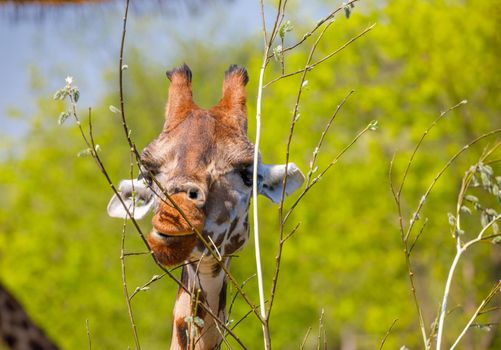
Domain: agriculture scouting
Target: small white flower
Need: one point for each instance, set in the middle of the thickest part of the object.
(69, 80)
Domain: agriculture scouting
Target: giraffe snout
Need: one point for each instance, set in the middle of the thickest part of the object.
(188, 215)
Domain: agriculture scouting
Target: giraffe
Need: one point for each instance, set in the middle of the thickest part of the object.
(203, 159)
(17, 330)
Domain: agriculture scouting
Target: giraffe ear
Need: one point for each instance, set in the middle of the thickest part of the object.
(234, 94)
(180, 94)
(136, 196)
(272, 177)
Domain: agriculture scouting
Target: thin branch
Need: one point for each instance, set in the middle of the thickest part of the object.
(322, 137)
(88, 334)
(418, 145)
(147, 284)
(126, 292)
(417, 236)
(294, 120)
(320, 328)
(316, 179)
(441, 172)
(496, 289)
(305, 338)
(318, 25)
(313, 65)
(452, 269)
(294, 230)
(387, 334)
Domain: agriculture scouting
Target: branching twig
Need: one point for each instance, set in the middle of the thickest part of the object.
(318, 25)
(459, 253)
(126, 292)
(496, 289)
(313, 65)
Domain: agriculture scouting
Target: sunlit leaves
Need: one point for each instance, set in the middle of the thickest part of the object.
(284, 28)
(114, 109)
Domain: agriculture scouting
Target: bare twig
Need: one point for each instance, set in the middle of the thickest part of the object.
(147, 284)
(305, 338)
(320, 328)
(126, 292)
(88, 334)
(416, 214)
(496, 289)
(318, 25)
(313, 65)
(459, 253)
(387, 334)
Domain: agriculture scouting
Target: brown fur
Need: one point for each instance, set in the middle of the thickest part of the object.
(172, 250)
(182, 333)
(192, 141)
(169, 221)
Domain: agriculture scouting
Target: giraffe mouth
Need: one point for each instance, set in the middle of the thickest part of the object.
(172, 249)
(174, 235)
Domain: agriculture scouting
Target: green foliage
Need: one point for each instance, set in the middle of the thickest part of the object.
(59, 251)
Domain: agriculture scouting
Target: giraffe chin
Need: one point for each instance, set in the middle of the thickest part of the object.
(171, 250)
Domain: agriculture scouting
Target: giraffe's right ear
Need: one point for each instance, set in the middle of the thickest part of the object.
(180, 99)
(136, 196)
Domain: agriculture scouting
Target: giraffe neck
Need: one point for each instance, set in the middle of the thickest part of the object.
(193, 327)
(17, 330)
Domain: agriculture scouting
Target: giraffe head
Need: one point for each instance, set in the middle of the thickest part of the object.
(203, 160)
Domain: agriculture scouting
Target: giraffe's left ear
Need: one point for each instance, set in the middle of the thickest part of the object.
(271, 178)
(137, 197)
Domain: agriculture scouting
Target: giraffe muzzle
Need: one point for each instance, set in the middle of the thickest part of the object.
(173, 238)
(169, 221)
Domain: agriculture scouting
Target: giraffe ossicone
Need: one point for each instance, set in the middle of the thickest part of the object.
(204, 161)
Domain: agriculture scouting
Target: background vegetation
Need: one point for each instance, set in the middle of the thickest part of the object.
(59, 252)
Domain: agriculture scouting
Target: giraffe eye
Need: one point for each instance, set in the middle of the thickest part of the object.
(246, 175)
(147, 176)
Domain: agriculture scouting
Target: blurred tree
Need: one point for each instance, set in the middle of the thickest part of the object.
(59, 249)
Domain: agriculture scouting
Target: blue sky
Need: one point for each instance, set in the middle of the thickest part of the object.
(84, 42)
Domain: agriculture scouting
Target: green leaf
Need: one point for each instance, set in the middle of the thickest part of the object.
(198, 321)
(486, 169)
(84, 153)
(452, 219)
(495, 228)
(466, 210)
(76, 94)
(471, 198)
(114, 109)
(373, 125)
(62, 117)
(347, 10)
(284, 28)
(498, 180)
(458, 232)
(486, 180)
(474, 181)
(277, 53)
(60, 94)
(491, 212)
